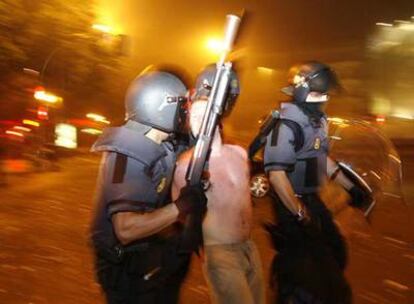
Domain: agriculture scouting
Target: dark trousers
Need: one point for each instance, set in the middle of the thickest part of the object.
(311, 258)
(167, 292)
(126, 282)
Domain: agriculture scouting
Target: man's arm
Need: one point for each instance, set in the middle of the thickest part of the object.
(283, 188)
(131, 226)
(131, 219)
(336, 174)
(359, 197)
(280, 156)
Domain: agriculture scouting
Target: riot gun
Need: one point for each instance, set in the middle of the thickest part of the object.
(197, 168)
(260, 139)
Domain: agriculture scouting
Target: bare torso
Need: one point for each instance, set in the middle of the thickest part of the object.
(229, 215)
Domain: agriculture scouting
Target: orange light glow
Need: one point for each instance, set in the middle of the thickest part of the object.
(380, 119)
(31, 122)
(103, 28)
(47, 97)
(10, 132)
(66, 136)
(20, 128)
(42, 113)
(215, 45)
(98, 118)
(91, 131)
(265, 70)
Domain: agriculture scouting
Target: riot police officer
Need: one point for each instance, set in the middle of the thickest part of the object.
(311, 251)
(135, 228)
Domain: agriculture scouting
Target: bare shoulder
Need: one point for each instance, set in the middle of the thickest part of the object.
(240, 151)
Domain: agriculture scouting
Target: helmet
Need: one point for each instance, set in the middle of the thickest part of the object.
(157, 99)
(205, 80)
(309, 77)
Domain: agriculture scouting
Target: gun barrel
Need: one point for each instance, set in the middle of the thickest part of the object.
(230, 34)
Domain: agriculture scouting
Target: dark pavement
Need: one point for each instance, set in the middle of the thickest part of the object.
(45, 256)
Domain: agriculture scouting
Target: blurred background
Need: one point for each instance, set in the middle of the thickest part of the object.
(65, 66)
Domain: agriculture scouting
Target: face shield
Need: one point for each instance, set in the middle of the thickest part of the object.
(369, 159)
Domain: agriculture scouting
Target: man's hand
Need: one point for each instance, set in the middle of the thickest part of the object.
(303, 216)
(284, 190)
(191, 200)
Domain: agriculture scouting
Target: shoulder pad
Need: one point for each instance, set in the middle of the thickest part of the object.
(130, 143)
(260, 139)
(269, 122)
(292, 112)
(299, 137)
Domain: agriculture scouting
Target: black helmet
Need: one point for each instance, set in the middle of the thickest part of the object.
(309, 77)
(157, 99)
(205, 80)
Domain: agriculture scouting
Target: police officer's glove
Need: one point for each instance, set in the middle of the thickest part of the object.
(359, 197)
(192, 205)
(191, 200)
(310, 224)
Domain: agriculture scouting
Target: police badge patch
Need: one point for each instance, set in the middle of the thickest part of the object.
(161, 185)
(317, 143)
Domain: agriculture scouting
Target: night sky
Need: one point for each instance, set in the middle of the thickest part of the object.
(174, 30)
(274, 34)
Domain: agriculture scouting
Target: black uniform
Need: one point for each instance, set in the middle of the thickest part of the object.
(311, 259)
(135, 175)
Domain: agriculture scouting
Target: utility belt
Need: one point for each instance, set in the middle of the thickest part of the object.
(142, 265)
(116, 253)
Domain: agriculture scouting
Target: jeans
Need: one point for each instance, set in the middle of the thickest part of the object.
(234, 273)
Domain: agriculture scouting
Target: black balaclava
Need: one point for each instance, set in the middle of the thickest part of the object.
(315, 111)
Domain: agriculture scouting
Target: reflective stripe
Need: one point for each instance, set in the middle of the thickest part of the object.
(296, 129)
(127, 206)
(119, 168)
(311, 172)
(289, 166)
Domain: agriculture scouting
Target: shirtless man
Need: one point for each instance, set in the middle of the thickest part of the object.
(232, 266)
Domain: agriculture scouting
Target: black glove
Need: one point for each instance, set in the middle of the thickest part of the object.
(359, 197)
(191, 200)
(192, 205)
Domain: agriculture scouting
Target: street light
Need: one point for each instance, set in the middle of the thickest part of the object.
(265, 70)
(48, 97)
(10, 132)
(20, 128)
(103, 28)
(215, 45)
(98, 118)
(384, 24)
(31, 122)
(91, 131)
